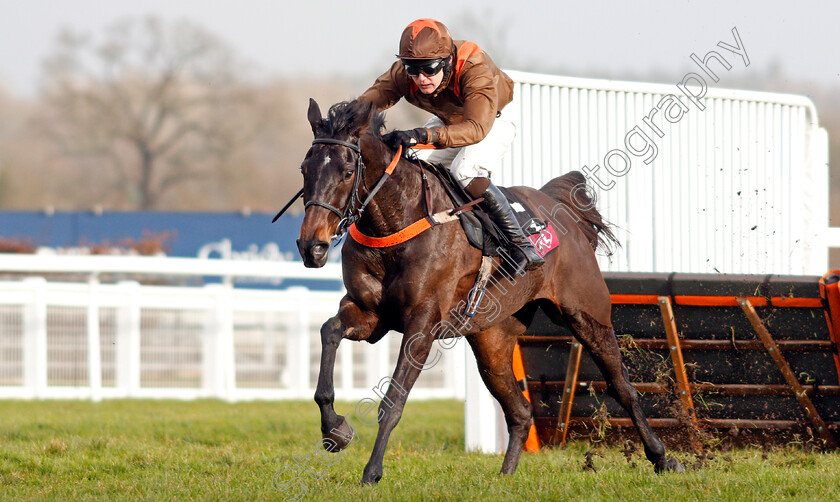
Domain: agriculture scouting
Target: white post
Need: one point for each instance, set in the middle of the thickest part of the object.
(481, 414)
(816, 223)
(457, 370)
(128, 340)
(35, 338)
(210, 361)
(378, 362)
(298, 353)
(345, 352)
(219, 378)
(228, 347)
(93, 341)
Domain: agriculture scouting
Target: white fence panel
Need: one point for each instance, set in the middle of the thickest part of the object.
(739, 187)
(94, 340)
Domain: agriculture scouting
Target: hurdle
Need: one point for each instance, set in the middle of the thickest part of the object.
(721, 353)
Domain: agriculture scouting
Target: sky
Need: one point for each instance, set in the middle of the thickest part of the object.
(358, 40)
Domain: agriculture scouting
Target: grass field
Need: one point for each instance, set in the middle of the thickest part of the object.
(210, 450)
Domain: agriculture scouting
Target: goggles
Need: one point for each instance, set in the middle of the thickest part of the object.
(428, 67)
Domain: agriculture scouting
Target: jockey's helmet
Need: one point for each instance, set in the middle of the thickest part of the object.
(425, 39)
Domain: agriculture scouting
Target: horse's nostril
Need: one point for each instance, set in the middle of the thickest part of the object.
(312, 251)
(320, 249)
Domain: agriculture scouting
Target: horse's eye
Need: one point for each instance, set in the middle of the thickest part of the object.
(348, 174)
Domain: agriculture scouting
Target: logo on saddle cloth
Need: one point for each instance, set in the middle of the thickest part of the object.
(542, 236)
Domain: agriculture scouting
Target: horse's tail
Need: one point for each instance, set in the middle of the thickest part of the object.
(582, 208)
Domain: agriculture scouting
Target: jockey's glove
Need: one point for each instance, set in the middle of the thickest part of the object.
(406, 139)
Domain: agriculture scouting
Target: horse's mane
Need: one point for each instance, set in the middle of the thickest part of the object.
(377, 123)
(349, 117)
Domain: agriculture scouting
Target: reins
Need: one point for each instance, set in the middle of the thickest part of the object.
(350, 215)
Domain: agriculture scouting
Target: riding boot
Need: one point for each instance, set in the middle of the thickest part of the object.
(496, 205)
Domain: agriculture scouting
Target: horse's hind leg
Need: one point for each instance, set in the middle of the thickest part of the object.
(602, 345)
(493, 351)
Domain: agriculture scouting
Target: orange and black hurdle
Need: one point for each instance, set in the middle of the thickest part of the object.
(725, 352)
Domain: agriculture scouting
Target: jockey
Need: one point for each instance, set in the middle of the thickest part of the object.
(461, 86)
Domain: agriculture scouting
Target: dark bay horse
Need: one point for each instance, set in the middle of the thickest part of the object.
(415, 287)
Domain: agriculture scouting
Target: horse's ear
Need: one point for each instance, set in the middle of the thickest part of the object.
(314, 115)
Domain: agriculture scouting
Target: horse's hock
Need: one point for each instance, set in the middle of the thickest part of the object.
(742, 358)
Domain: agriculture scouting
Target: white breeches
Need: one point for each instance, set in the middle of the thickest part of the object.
(473, 161)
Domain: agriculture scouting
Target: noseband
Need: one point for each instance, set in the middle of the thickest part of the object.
(350, 214)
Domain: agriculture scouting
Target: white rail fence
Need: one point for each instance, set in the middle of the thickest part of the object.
(739, 186)
(95, 340)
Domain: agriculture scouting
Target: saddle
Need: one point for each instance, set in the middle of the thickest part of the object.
(482, 233)
(473, 222)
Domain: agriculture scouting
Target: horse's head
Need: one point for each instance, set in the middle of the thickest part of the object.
(332, 174)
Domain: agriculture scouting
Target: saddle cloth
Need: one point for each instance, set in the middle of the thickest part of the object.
(541, 233)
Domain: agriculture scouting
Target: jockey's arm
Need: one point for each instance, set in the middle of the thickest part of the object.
(387, 89)
(479, 91)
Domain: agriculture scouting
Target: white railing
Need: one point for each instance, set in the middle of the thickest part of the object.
(739, 186)
(95, 340)
(164, 266)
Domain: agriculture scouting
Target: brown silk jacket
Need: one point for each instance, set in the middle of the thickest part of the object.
(467, 102)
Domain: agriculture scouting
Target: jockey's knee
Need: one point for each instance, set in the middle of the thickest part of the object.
(477, 186)
(466, 174)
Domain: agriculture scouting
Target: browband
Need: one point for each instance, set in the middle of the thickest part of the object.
(330, 141)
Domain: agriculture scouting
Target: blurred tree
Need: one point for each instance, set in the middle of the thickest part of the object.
(152, 105)
(19, 153)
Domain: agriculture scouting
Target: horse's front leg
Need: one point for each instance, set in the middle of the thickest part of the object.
(414, 351)
(351, 322)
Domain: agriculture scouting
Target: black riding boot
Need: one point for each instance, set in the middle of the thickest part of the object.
(497, 206)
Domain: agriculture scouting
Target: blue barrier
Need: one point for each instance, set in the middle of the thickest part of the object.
(209, 235)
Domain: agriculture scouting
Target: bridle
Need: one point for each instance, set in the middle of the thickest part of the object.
(350, 214)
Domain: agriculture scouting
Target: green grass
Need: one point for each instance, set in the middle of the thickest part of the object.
(210, 450)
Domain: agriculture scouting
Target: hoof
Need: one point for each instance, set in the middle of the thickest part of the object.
(370, 481)
(669, 465)
(338, 438)
(371, 476)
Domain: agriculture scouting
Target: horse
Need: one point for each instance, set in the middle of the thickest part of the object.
(416, 287)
